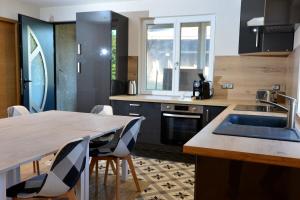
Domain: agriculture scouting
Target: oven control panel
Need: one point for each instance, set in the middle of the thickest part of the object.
(182, 108)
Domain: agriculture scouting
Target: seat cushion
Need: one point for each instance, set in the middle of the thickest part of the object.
(28, 188)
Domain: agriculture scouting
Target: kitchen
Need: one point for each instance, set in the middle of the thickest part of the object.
(200, 74)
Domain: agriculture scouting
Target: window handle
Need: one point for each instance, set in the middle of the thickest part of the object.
(176, 65)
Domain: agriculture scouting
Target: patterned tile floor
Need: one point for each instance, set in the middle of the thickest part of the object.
(166, 180)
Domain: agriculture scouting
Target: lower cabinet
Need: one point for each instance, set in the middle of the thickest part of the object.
(150, 129)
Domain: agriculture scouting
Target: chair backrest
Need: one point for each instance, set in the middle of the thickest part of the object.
(102, 110)
(66, 168)
(128, 137)
(14, 111)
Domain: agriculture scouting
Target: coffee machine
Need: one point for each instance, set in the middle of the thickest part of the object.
(202, 89)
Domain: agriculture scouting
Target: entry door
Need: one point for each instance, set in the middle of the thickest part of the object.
(37, 54)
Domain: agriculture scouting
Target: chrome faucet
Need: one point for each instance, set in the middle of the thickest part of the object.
(291, 109)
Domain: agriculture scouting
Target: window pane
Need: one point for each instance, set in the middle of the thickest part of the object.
(194, 53)
(159, 57)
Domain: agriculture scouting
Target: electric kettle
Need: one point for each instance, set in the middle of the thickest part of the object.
(132, 88)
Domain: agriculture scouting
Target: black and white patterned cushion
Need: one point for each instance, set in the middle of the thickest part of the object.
(123, 142)
(14, 111)
(103, 110)
(64, 173)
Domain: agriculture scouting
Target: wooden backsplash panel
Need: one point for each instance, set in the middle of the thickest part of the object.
(132, 68)
(248, 74)
(292, 75)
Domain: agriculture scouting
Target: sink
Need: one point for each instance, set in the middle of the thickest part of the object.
(255, 126)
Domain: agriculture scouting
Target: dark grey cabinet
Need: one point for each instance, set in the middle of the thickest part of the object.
(150, 129)
(277, 34)
(102, 39)
(210, 113)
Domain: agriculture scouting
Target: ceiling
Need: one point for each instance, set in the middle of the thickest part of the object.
(46, 3)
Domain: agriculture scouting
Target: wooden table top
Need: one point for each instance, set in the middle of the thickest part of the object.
(30, 137)
(205, 143)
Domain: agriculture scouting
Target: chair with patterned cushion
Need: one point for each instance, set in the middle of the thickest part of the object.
(62, 177)
(118, 149)
(14, 111)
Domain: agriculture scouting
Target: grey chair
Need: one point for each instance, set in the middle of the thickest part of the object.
(118, 149)
(14, 111)
(62, 177)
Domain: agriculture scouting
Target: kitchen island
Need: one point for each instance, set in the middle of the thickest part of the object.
(230, 167)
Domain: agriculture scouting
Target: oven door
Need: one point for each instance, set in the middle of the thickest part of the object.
(178, 128)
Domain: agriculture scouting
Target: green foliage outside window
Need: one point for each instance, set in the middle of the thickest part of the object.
(114, 55)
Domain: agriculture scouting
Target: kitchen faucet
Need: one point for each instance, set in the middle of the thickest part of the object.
(291, 109)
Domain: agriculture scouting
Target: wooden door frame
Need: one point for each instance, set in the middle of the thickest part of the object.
(18, 70)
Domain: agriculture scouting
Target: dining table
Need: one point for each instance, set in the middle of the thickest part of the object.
(27, 138)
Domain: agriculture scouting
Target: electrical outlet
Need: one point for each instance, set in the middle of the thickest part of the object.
(227, 86)
(276, 87)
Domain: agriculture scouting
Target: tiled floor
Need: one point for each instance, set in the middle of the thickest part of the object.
(159, 180)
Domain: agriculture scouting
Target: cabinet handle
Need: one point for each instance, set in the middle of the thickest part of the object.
(134, 114)
(78, 67)
(134, 105)
(79, 49)
(207, 115)
(256, 31)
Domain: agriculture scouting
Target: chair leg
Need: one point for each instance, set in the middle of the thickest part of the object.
(117, 178)
(97, 174)
(106, 171)
(38, 167)
(34, 169)
(92, 165)
(132, 169)
(71, 195)
(112, 166)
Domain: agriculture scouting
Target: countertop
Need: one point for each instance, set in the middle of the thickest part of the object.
(205, 143)
(179, 100)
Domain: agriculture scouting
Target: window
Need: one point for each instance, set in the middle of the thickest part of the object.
(175, 50)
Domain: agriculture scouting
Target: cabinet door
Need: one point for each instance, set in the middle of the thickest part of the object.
(150, 129)
(93, 34)
(250, 9)
(210, 113)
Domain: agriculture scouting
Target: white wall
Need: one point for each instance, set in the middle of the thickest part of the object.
(227, 15)
(11, 8)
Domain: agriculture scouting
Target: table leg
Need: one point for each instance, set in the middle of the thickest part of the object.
(13, 177)
(82, 192)
(124, 170)
(3, 186)
(87, 175)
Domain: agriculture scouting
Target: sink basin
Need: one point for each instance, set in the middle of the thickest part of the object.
(265, 127)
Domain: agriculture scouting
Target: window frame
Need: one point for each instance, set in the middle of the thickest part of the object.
(176, 21)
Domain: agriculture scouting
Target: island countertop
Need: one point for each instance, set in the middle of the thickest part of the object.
(274, 152)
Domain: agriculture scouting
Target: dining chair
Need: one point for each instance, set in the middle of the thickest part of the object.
(62, 177)
(18, 110)
(118, 149)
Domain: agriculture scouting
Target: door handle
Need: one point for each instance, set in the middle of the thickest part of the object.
(181, 116)
(134, 114)
(27, 81)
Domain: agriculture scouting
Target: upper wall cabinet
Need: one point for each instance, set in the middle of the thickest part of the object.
(267, 25)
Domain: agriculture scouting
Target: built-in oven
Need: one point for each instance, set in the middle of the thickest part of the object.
(180, 123)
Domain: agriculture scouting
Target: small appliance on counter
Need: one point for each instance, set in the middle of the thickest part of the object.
(132, 88)
(202, 89)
